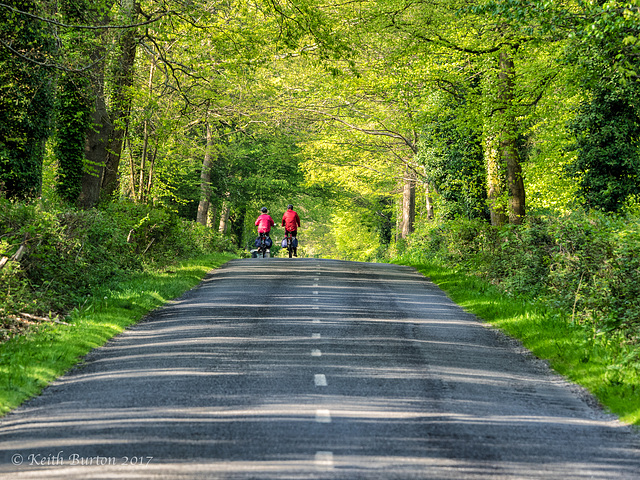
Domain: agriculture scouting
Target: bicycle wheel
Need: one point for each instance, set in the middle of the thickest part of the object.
(289, 247)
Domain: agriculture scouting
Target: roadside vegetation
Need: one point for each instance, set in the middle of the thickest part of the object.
(77, 278)
(568, 288)
(45, 350)
(54, 257)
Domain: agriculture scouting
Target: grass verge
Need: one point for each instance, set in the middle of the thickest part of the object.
(599, 362)
(30, 362)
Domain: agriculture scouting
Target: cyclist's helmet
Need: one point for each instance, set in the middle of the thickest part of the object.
(289, 207)
(263, 209)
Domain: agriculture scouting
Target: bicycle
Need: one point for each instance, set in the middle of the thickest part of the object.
(263, 244)
(290, 243)
(288, 238)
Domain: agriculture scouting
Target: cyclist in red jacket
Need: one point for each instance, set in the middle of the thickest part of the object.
(291, 222)
(265, 222)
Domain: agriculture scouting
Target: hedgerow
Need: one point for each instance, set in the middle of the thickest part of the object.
(54, 256)
(585, 263)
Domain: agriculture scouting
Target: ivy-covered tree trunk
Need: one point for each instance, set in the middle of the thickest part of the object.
(509, 140)
(83, 122)
(505, 185)
(119, 95)
(26, 101)
(100, 129)
(73, 116)
(95, 154)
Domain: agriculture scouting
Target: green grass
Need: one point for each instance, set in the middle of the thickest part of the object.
(604, 365)
(30, 362)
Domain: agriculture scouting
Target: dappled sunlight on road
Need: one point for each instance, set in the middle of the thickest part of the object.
(322, 370)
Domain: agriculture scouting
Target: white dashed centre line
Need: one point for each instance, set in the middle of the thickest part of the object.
(323, 416)
(324, 459)
(316, 353)
(320, 380)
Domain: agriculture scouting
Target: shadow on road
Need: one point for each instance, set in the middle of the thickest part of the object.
(223, 383)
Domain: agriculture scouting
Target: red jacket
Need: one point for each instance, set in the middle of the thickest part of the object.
(264, 223)
(290, 221)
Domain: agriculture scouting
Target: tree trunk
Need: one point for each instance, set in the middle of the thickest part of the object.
(495, 181)
(509, 154)
(152, 164)
(429, 201)
(100, 129)
(205, 181)
(133, 172)
(145, 140)
(224, 217)
(408, 203)
(120, 105)
(213, 215)
(143, 160)
(98, 137)
(95, 154)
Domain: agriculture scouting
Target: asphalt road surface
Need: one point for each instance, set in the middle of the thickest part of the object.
(305, 369)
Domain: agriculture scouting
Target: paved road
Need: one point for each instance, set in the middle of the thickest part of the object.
(304, 369)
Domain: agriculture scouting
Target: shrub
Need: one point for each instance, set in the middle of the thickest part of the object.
(585, 263)
(68, 252)
(621, 293)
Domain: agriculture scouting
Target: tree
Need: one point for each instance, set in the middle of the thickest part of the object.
(81, 115)
(26, 100)
(607, 126)
(72, 119)
(452, 156)
(602, 48)
(449, 45)
(363, 126)
(607, 167)
(205, 180)
(118, 92)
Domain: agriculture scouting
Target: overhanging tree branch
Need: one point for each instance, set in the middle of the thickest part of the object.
(368, 131)
(160, 16)
(49, 65)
